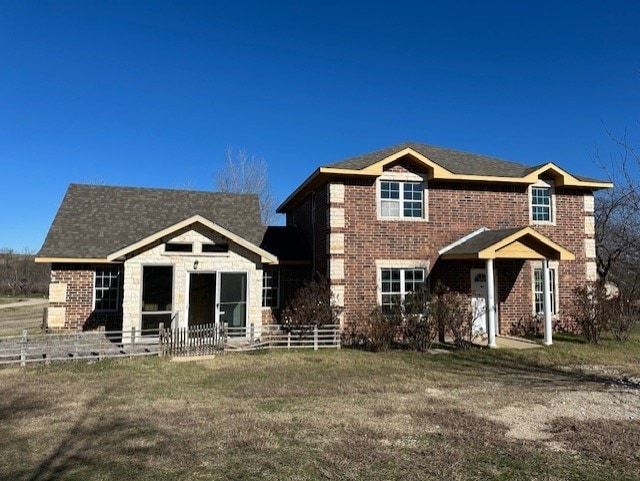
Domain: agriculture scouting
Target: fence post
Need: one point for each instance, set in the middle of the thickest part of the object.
(338, 338)
(23, 348)
(251, 334)
(315, 337)
(45, 319)
(101, 339)
(225, 334)
(76, 341)
(288, 340)
(161, 339)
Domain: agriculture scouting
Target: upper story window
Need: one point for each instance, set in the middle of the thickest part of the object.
(178, 247)
(401, 199)
(542, 198)
(106, 289)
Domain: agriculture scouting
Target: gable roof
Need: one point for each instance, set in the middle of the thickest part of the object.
(95, 221)
(442, 164)
(511, 243)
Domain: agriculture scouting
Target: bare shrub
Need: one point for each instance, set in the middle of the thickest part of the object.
(453, 311)
(588, 310)
(312, 305)
(622, 317)
(529, 326)
(373, 330)
(419, 326)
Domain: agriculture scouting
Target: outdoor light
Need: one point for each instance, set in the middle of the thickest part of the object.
(195, 265)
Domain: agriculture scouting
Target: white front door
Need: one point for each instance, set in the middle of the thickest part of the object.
(479, 300)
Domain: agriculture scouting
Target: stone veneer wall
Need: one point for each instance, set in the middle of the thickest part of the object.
(237, 259)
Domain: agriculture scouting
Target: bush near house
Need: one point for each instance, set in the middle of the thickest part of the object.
(596, 311)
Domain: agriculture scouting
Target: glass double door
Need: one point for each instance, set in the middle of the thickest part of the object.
(218, 298)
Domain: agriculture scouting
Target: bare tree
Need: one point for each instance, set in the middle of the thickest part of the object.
(247, 174)
(617, 217)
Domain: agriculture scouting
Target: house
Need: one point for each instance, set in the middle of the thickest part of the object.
(376, 225)
(126, 258)
(381, 223)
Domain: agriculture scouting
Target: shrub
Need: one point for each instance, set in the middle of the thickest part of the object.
(452, 311)
(588, 310)
(530, 326)
(419, 326)
(622, 317)
(373, 330)
(312, 305)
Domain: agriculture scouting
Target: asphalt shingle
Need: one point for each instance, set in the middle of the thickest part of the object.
(95, 220)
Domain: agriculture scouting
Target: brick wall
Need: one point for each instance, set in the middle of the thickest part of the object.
(454, 210)
(77, 307)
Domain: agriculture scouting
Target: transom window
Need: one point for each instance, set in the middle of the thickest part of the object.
(397, 283)
(270, 288)
(538, 289)
(401, 199)
(541, 204)
(107, 289)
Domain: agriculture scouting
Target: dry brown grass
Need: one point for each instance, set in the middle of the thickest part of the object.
(328, 415)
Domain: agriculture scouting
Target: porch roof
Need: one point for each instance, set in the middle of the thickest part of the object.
(512, 243)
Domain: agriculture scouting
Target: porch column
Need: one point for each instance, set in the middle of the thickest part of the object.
(546, 289)
(491, 305)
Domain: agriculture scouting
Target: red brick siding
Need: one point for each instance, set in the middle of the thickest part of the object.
(455, 210)
(79, 301)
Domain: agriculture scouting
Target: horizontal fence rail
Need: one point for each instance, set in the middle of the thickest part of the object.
(90, 345)
(200, 340)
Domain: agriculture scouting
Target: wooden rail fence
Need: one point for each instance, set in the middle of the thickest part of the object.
(200, 340)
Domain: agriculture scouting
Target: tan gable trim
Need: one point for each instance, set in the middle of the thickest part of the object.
(265, 256)
(74, 260)
(437, 172)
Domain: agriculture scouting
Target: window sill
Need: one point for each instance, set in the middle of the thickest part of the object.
(402, 219)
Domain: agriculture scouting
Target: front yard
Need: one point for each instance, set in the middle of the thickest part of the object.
(571, 411)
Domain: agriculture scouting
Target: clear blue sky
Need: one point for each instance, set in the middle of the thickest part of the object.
(152, 93)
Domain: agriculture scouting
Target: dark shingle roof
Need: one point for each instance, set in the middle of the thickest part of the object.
(94, 220)
(286, 243)
(454, 161)
(482, 241)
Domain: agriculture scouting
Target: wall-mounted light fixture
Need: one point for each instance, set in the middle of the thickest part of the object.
(195, 265)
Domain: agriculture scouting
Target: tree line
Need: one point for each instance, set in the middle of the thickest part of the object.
(20, 275)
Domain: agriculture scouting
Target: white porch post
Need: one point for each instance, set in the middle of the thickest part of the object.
(546, 288)
(491, 305)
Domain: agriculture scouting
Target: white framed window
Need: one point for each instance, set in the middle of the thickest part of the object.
(538, 290)
(106, 289)
(270, 288)
(401, 199)
(396, 283)
(542, 203)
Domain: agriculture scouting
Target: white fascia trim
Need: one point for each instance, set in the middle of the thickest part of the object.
(462, 240)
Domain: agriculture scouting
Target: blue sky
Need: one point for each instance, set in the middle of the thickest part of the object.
(153, 93)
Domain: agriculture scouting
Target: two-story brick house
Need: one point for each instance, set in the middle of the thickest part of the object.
(376, 225)
(381, 223)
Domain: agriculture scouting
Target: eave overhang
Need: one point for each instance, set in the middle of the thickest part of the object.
(435, 171)
(523, 243)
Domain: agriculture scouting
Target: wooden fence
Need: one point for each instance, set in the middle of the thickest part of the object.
(92, 345)
(199, 340)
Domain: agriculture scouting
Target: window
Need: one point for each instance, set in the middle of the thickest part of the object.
(397, 283)
(107, 289)
(401, 199)
(541, 209)
(157, 296)
(538, 290)
(178, 247)
(270, 288)
(210, 248)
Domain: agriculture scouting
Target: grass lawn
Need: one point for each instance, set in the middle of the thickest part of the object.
(555, 413)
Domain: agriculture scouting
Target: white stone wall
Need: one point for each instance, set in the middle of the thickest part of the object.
(237, 259)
